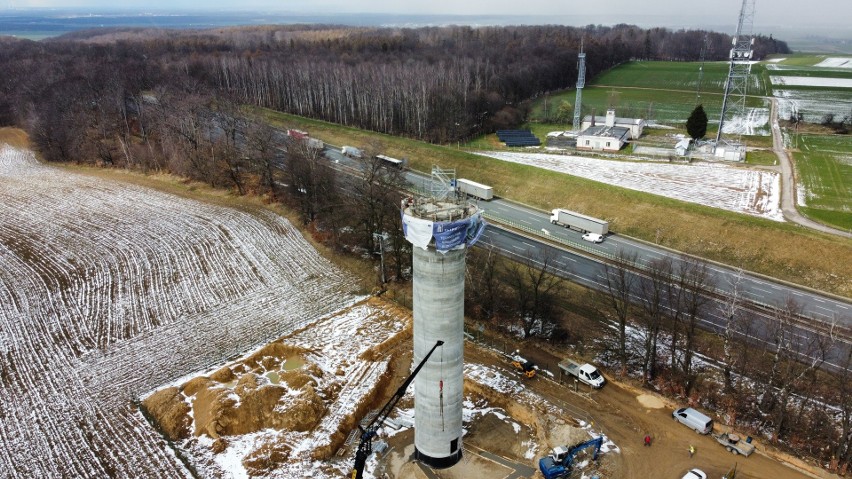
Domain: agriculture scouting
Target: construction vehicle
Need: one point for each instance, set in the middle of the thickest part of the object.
(561, 459)
(365, 447)
(527, 368)
(734, 444)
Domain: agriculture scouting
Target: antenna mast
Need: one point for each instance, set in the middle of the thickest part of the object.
(701, 70)
(581, 82)
(734, 100)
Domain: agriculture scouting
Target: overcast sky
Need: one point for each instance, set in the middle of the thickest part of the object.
(715, 12)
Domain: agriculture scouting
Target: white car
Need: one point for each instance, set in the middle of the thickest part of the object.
(593, 237)
(695, 474)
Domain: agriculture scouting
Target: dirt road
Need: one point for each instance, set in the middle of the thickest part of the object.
(788, 180)
(625, 414)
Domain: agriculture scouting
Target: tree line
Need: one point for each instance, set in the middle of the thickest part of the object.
(650, 316)
(434, 84)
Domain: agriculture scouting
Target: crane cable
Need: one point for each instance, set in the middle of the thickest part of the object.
(441, 386)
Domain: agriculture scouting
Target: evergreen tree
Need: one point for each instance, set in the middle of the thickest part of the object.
(696, 124)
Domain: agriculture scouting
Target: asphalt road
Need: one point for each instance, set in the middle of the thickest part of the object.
(582, 262)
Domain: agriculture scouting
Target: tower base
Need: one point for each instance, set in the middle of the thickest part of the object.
(438, 462)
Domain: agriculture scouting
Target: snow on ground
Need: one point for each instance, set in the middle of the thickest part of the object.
(329, 341)
(108, 290)
(836, 62)
(813, 105)
(754, 192)
(776, 60)
(811, 81)
(756, 122)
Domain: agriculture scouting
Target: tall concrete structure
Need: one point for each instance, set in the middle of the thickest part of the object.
(441, 229)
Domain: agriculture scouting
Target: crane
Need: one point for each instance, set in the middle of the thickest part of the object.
(365, 447)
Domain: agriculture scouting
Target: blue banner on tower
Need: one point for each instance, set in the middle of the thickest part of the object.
(450, 235)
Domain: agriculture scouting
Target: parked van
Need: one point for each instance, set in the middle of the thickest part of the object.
(694, 420)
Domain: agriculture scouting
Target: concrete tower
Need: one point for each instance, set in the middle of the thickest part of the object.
(441, 229)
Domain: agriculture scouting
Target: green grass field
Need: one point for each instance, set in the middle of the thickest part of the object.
(679, 76)
(803, 59)
(824, 165)
(659, 91)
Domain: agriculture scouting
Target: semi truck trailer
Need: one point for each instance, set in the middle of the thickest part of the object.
(586, 224)
(472, 188)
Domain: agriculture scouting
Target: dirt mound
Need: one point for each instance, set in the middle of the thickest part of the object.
(170, 411)
(266, 458)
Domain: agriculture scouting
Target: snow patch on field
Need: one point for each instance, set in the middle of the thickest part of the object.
(776, 60)
(836, 62)
(109, 290)
(811, 81)
(753, 192)
(756, 122)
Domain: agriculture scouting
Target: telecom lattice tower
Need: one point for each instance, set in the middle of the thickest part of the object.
(440, 228)
(734, 100)
(581, 82)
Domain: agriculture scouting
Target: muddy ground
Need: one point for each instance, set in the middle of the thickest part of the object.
(625, 414)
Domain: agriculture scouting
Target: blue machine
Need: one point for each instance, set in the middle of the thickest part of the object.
(558, 463)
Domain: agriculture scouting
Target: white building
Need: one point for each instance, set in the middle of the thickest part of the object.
(635, 125)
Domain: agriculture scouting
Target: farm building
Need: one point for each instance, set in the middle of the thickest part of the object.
(602, 137)
(635, 125)
(682, 146)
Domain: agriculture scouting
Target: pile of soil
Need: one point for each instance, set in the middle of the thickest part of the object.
(241, 399)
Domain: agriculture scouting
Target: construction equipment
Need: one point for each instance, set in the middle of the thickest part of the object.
(527, 368)
(734, 444)
(561, 459)
(365, 447)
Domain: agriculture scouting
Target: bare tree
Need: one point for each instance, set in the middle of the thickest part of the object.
(694, 281)
(794, 359)
(653, 300)
(620, 283)
(535, 290)
(730, 310)
(483, 280)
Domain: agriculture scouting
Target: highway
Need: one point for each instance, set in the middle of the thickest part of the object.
(517, 230)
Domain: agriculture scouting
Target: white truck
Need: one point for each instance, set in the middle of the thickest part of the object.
(351, 152)
(586, 373)
(572, 219)
(472, 188)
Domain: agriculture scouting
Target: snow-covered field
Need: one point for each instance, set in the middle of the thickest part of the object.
(756, 122)
(812, 104)
(835, 62)
(811, 81)
(109, 290)
(743, 190)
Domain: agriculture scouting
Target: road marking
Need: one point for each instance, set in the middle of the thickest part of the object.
(819, 300)
(827, 309)
(530, 245)
(763, 291)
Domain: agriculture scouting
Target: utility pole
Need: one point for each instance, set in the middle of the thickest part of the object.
(380, 239)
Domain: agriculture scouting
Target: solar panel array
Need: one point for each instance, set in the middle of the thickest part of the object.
(518, 138)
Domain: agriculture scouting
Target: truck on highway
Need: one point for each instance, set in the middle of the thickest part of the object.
(585, 372)
(351, 152)
(472, 188)
(572, 219)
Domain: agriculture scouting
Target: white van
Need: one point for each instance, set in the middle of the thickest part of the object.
(694, 420)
